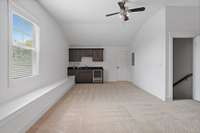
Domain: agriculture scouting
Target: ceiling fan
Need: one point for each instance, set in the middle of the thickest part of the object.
(124, 10)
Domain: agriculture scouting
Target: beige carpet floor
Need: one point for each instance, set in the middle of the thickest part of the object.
(118, 108)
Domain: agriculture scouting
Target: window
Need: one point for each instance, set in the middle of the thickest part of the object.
(23, 50)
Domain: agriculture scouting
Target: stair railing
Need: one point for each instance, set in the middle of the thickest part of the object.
(183, 79)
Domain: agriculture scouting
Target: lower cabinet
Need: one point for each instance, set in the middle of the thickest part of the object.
(84, 76)
(72, 72)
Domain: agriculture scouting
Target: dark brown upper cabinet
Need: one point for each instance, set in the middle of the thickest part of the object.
(98, 55)
(86, 52)
(76, 54)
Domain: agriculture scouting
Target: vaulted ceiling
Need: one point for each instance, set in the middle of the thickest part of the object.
(84, 21)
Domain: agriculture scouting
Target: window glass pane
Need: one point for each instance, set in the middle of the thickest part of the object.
(21, 54)
(20, 62)
(22, 32)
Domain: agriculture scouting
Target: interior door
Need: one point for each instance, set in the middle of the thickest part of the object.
(196, 87)
(122, 61)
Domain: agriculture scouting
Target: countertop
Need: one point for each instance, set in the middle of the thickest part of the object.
(85, 68)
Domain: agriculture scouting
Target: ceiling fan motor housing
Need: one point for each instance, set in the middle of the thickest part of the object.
(124, 10)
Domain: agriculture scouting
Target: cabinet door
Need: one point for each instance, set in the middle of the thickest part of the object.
(98, 55)
(86, 52)
(84, 76)
(71, 72)
(74, 55)
(71, 55)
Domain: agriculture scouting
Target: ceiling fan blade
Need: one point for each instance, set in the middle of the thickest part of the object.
(137, 9)
(108, 15)
(122, 5)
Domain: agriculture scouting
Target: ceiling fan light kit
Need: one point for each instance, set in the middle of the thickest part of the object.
(124, 10)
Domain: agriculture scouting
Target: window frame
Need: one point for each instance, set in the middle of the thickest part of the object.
(16, 10)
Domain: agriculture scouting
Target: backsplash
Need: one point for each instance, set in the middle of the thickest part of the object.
(85, 61)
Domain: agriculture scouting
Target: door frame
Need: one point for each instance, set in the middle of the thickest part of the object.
(196, 85)
(170, 56)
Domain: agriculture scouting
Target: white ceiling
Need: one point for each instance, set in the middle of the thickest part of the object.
(84, 21)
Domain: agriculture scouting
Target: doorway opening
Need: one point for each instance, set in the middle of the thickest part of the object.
(182, 68)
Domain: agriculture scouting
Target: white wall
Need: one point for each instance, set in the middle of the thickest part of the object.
(149, 47)
(53, 60)
(181, 22)
(183, 19)
(113, 56)
(24, 101)
(153, 49)
(3, 48)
